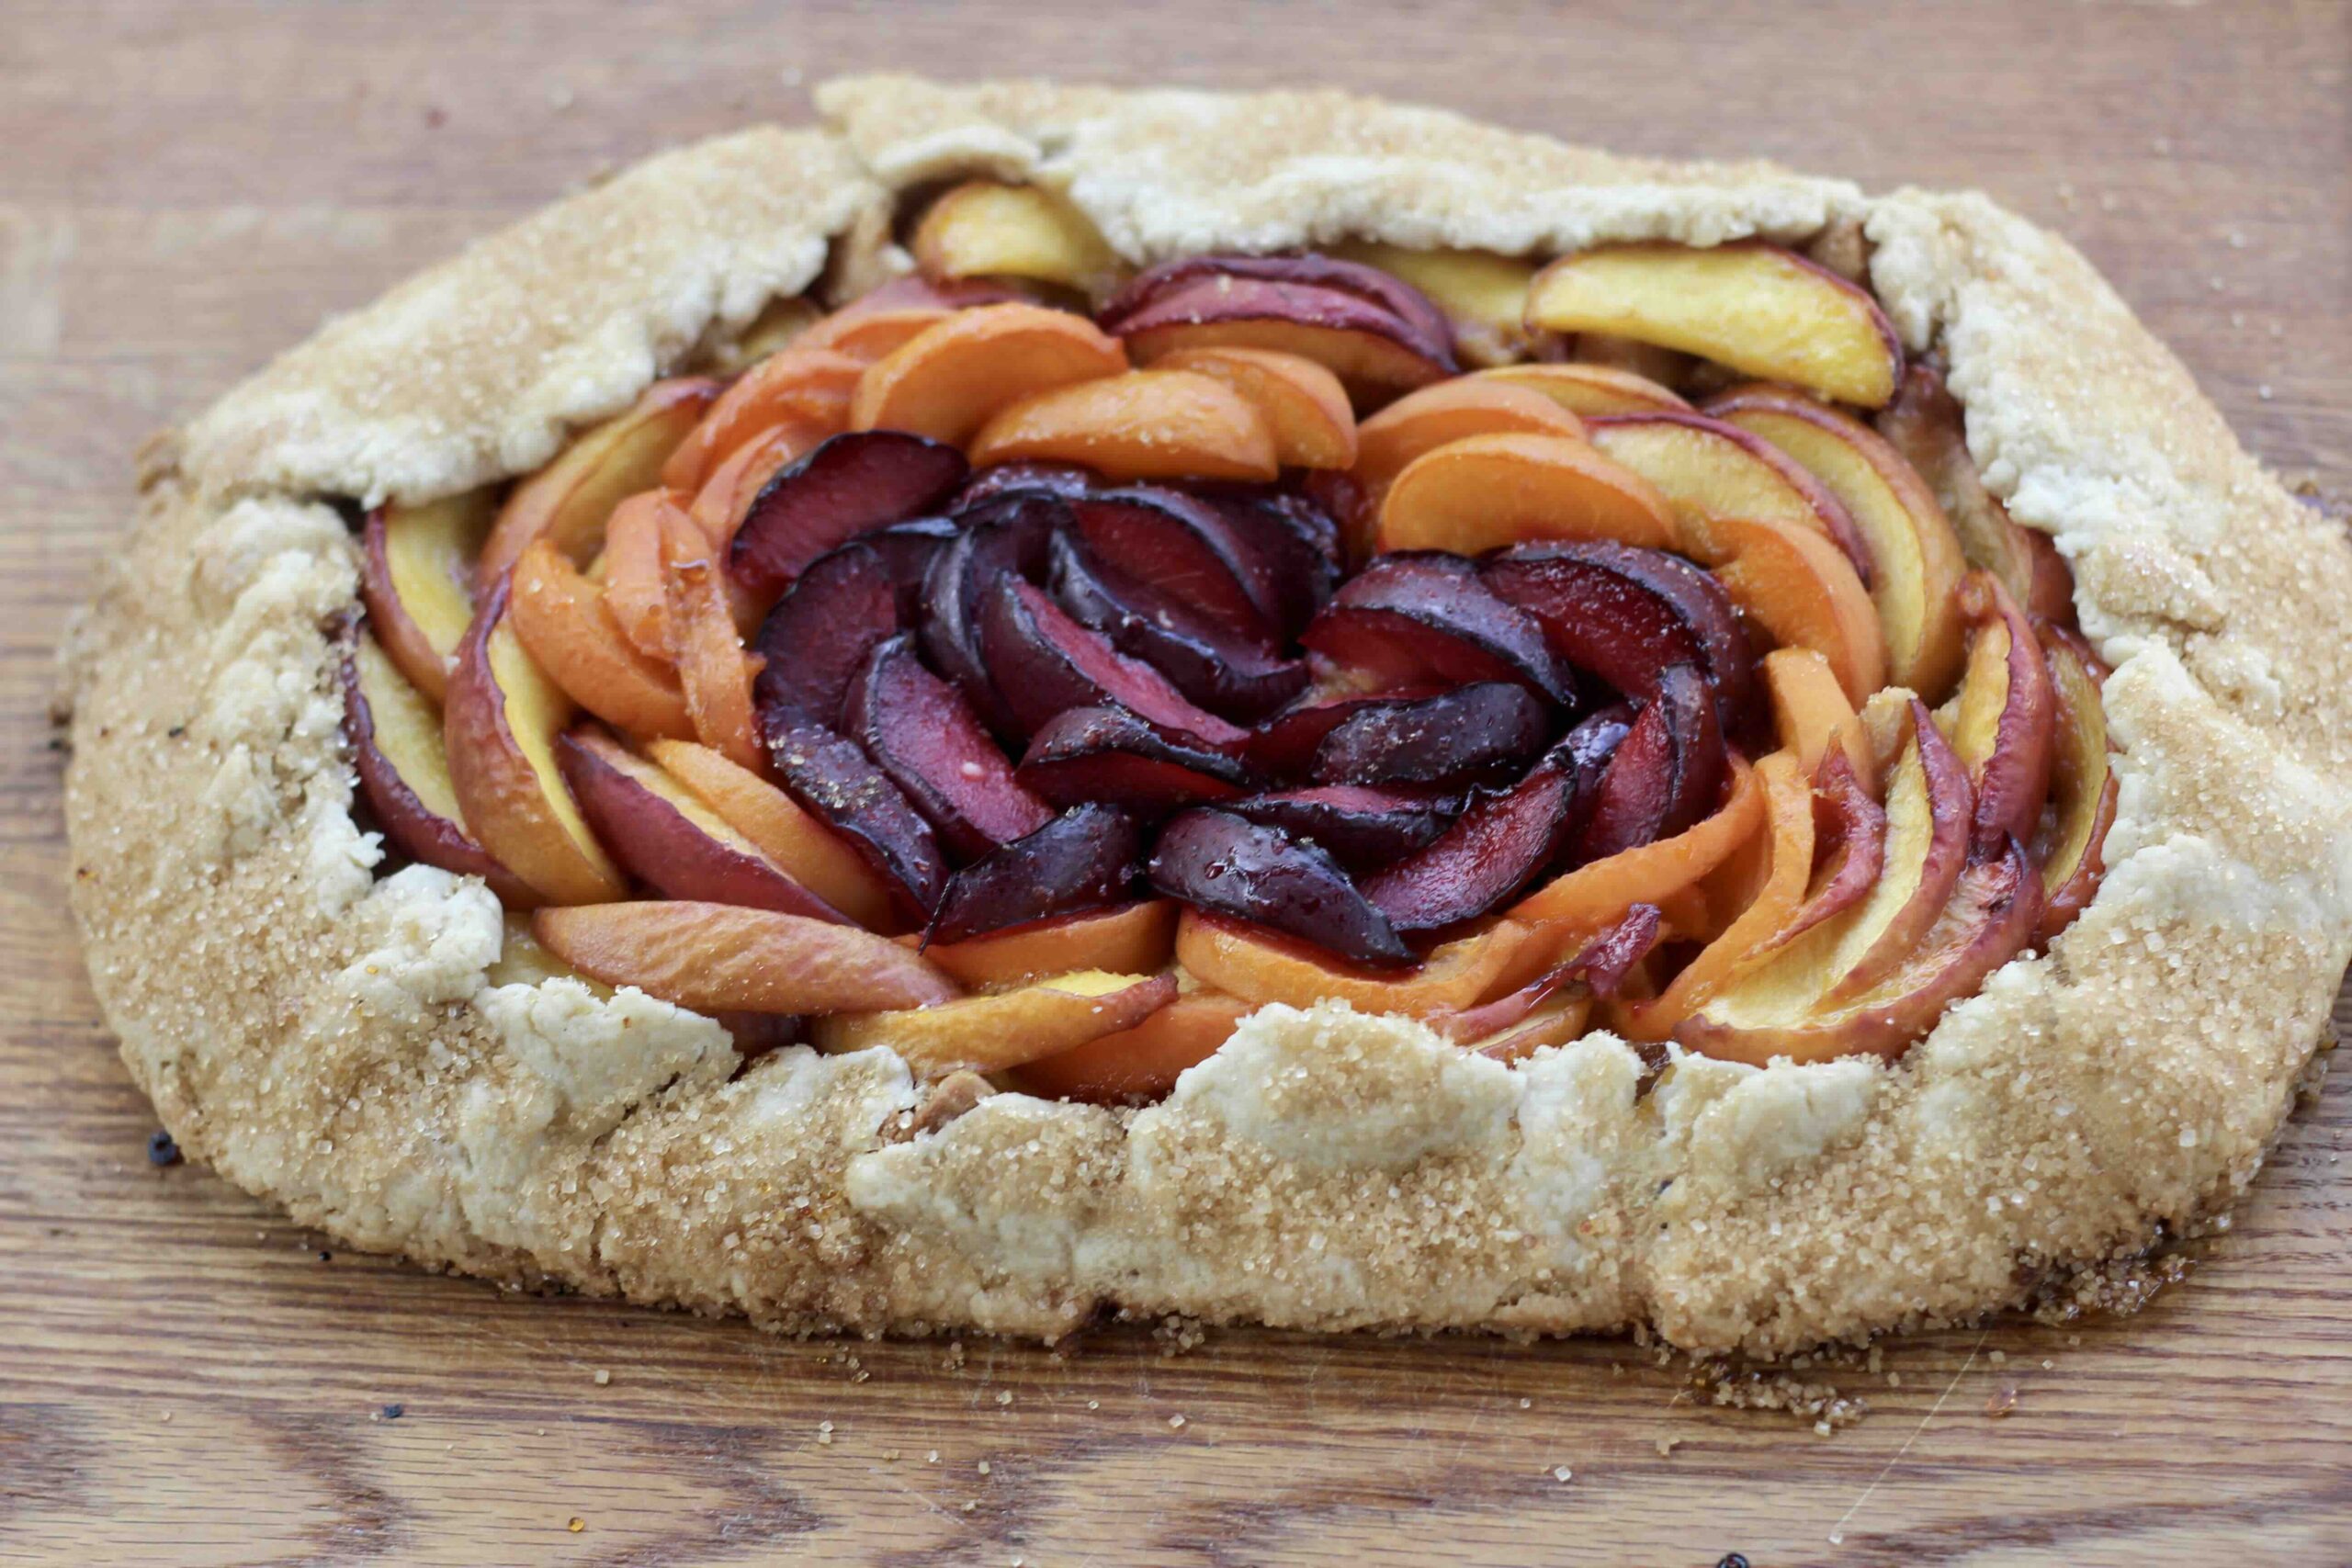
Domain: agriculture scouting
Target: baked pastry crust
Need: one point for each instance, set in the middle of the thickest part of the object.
(340, 1044)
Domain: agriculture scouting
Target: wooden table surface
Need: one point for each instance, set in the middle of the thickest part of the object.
(188, 185)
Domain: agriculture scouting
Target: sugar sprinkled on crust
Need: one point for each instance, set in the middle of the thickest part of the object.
(332, 1041)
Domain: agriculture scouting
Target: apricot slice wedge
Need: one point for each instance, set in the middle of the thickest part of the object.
(804, 387)
(1707, 469)
(1485, 491)
(1305, 407)
(991, 1033)
(1915, 556)
(1596, 894)
(568, 628)
(569, 499)
(807, 851)
(1590, 391)
(498, 723)
(1422, 422)
(1261, 966)
(1142, 1062)
(2071, 850)
(1812, 713)
(1802, 592)
(713, 671)
(983, 228)
(1139, 424)
(725, 958)
(1133, 938)
(954, 377)
(1759, 309)
(647, 531)
(417, 578)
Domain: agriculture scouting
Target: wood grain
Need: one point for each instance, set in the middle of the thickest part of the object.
(191, 184)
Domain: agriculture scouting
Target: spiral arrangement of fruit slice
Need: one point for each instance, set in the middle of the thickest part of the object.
(1038, 691)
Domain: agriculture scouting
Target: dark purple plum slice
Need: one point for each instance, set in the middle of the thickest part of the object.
(818, 636)
(868, 478)
(1107, 753)
(1087, 858)
(1477, 734)
(1185, 549)
(1043, 661)
(1227, 865)
(1502, 842)
(1005, 536)
(923, 734)
(1063, 479)
(1295, 544)
(1423, 615)
(1283, 746)
(1361, 827)
(830, 776)
(1235, 678)
(1663, 776)
(1311, 289)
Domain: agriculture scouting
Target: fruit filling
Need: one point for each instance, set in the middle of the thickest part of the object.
(1034, 668)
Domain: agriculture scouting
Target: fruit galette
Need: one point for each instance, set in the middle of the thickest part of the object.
(1276, 709)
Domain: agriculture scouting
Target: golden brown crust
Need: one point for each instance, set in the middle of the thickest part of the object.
(332, 1041)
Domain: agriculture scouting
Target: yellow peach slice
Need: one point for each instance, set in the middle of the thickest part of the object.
(1758, 309)
(1487, 491)
(1141, 425)
(811, 854)
(417, 578)
(982, 229)
(728, 958)
(2083, 786)
(1483, 294)
(1707, 468)
(954, 375)
(991, 1033)
(1590, 391)
(1305, 407)
(570, 499)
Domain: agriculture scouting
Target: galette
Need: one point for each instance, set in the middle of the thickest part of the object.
(1050, 702)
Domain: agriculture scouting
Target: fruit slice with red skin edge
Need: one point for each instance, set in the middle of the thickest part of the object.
(923, 735)
(1004, 1028)
(805, 389)
(1707, 467)
(1413, 310)
(1292, 547)
(1005, 536)
(403, 767)
(2071, 845)
(1757, 308)
(1043, 661)
(1139, 1064)
(1283, 746)
(568, 499)
(809, 852)
(1589, 744)
(1063, 479)
(1589, 390)
(498, 723)
(829, 776)
(850, 484)
(663, 835)
(1126, 939)
(1087, 858)
(417, 578)
(1227, 865)
(1927, 777)
(1989, 920)
(819, 635)
(1502, 842)
(725, 958)
(2003, 718)
(1849, 837)
(1625, 614)
(1600, 967)
(1182, 548)
(1424, 615)
(1230, 677)
(1663, 776)
(1362, 826)
(1479, 734)
(1109, 754)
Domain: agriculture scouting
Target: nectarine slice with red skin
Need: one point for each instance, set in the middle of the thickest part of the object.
(1215, 860)
(1230, 675)
(1305, 409)
(1111, 755)
(957, 375)
(1802, 591)
(1142, 1062)
(1560, 1022)
(1811, 714)
(1131, 938)
(828, 776)
(713, 671)
(1929, 813)
(849, 485)
(403, 767)
(986, 229)
(1485, 491)
(1601, 892)
(1183, 549)
(1043, 662)
(1501, 843)
(1139, 424)
(725, 958)
(661, 833)
(926, 739)
(1851, 846)
(1260, 966)
(1424, 615)
(2071, 847)
(499, 722)
(568, 628)
(1590, 391)
(1625, 614)
(417, 578)
(1708, 470)
(1915, 556)
(569, 499)
(807, 851)
(1408, 313)
(1483, 733)
(1482, 294)
(806, 387)
(1087, 858)
(1925, 425)
(1761, 310)
(2004, 717)
(991, 1033)
(1362, 826)
(1662, 777)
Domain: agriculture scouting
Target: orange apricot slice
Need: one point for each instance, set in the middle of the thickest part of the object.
(713, 670)
(729, 958)
(1303, 405)
(1140, 424)
(1142, 1062)
(646, 530)
(1261, 967)
(1487, 491)
(809, 851)
(866, 335)
(1590, 391)
(1005, 1029)
(566, 625)
(1135, 939)
(1810, 712)
(1592, 896)
(1423, 421)
(570, 499)
(954, 377)
(802, 385)
(1802, 591)
(718, 508)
